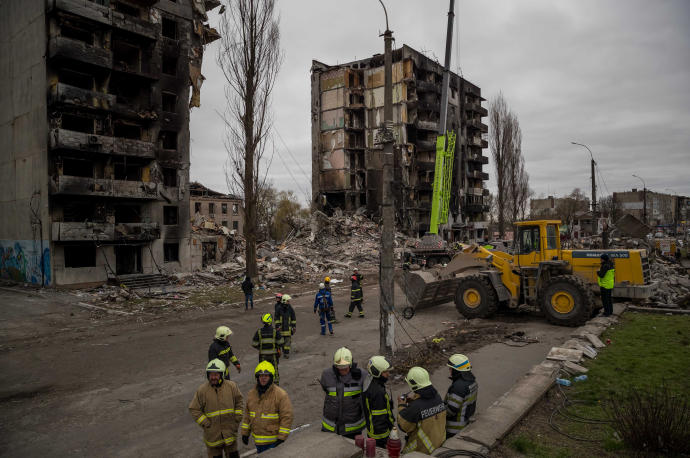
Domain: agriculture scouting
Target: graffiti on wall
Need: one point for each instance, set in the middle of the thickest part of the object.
(23, 261)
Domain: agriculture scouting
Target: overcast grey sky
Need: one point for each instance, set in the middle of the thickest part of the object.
(614, 75)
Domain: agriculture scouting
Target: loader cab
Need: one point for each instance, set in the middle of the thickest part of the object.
(537, 241)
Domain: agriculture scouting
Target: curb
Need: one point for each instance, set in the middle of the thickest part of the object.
(636, 308)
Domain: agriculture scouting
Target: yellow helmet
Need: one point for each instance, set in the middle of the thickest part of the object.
(377, 365)
(285, 299)
(222, 332)
(267, 318)
(216, 365)
(417, 378)
(459, 362)
(327, 279)
(342, 357)
(265, 367)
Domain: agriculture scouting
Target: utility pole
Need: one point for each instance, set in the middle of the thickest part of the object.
(595, 215)
(644, 199)
(386, 268)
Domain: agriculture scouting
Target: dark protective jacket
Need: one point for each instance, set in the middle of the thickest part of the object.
(267, 341)
(423, 419)
(461, 401)
(323, 301)
(342, 406)
(356, 288)
(378, 409)
(222, 350)
(247, 286)
(285, 319)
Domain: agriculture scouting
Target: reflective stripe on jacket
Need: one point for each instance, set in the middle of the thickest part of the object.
(222, 350)
(424, 421)
(378, 410)
(356, 288)
(342, 406)
(268, 416)
(267, 341)
(323, 300)
(218, 410)
(461, 401)
(285, 318)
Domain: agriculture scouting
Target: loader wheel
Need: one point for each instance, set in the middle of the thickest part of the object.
(476, 297)
(566, 301)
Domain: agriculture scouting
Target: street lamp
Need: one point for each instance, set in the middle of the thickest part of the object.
(594, 189)
(644, 198)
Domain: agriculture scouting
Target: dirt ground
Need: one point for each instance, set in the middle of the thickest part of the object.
(81, 382)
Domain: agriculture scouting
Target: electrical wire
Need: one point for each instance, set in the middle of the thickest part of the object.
(305, 195)
(601, 176)
(295, 161)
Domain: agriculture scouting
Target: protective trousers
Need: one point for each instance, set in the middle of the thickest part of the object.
(217, 452)
(355, 303)
(287, 339)
(325, 317)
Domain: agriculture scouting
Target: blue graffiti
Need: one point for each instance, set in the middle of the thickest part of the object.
(22, 261)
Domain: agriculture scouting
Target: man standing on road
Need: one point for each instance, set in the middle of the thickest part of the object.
(342, 407)
(220, 348)
(279, 297)
(217, 408)
(606, 277)
(378, 409)
(356, 295)
(268, 415)
(286, 323)
(268, 342)
(248, 290)
(422, 414)
(324, 304)
(461, 399)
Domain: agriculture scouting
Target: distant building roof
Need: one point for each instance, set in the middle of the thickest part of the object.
(197, 189)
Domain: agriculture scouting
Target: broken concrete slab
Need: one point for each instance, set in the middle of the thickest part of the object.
(576, 344)
(313, 442)
(576, 368)
(594, 340)
(457, 443)
(565, 354)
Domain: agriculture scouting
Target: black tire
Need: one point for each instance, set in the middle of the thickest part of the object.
(476, 297)
(572, 296)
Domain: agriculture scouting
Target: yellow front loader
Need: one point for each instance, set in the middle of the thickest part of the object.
(561, 283)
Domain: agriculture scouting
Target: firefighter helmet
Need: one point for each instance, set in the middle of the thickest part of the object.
(342, 357)
(264, 368)
(377, 365)
(285, 299)
(321, 286)
(216, 365)
(267, 318)
(459, 362)
(222, 332)
(279, 295)
(417, 378)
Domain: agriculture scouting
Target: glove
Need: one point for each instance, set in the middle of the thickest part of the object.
(294, 330)
(279, 441)
(206, 423)
(239, 368)
(245, 440)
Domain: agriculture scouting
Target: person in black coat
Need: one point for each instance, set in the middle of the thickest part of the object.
(461, 399)
(248, 289)
(376, 403)
(220, 349)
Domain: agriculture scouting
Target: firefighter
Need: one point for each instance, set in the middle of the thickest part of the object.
(268, 414)
(220, 348)
(268, 342)
(606, 278)
(285, 323)
(279, 297)
(422, 414)
(378, 408)
(217, 408)
(323, 303)
(342, 407)
(461, 399)
(356, 295)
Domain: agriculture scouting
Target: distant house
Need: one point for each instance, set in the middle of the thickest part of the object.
(222, 209)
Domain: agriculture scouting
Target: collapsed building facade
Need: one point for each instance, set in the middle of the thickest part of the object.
(654, 208)
(347, 110)
(95, 133)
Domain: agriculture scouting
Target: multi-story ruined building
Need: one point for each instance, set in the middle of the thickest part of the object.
(94, 133)
(222, 209)
(347, 109)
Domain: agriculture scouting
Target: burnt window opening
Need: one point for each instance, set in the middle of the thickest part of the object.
(75, 32)
(169, 102)
(169, 66)
(124, 130)
(169, 215)
(101, 2)
(127, 214)
(197, 207)
(169, 176)
(224, 223)
(126, 172)
(77, 123)
(127, 55)
(168, 139)
(171, 252)
(235, 208)
(76, 79)
(77, 168)
(169, 28)
(211, 208)
(224, 208)
(235, 225)
(77, 256)
(127, 9)
(77, 212)
(122, 87)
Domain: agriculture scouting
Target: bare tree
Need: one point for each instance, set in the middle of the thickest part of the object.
(250, 58)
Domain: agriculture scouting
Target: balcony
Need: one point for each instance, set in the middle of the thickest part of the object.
(473, 123)
(137, 231)
(476, 174)
(426, 125)
(71, 185)
(483, 127)
(478, 158)
(427, 86)
(475, 205)
(88, 10)
(104, 232)
(71, 95)
(67, 48)
(134, 25)
(79, 141)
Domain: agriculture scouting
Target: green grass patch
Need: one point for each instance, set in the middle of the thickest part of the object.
(529, 447)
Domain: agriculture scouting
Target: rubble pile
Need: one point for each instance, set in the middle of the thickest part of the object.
(673, 289)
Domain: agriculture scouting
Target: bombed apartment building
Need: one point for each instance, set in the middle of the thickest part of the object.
(347, 109)
(94, 127)
(213, 206)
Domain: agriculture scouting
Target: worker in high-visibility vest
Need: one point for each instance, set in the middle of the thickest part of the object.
(606, 277)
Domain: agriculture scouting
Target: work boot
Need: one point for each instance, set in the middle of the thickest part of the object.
(361, 314)
(287, 355)
(331, 332)
(348, 315)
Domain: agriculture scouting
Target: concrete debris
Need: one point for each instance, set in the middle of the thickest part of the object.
(594, 340)
(565, 354)
(575, 368)
(673, 285)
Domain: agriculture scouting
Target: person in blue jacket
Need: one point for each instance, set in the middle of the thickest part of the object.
(323, 303)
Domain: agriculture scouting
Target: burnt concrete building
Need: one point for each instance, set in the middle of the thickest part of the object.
(222, 209)
(94, 126)
(347, 110)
